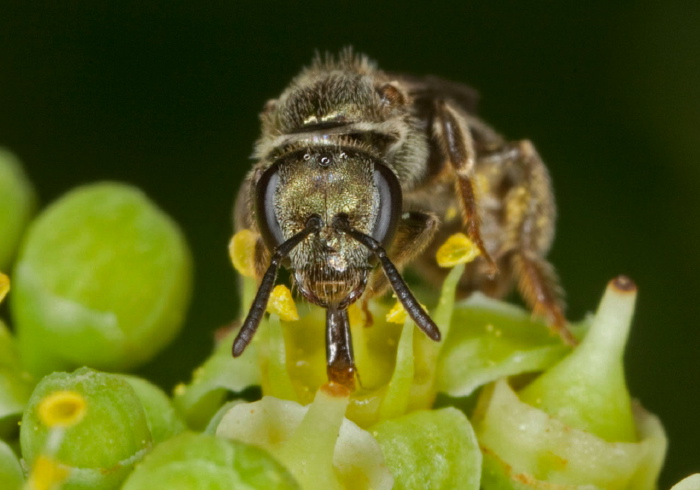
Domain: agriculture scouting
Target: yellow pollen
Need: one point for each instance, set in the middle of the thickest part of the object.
(282, 304)
(458, 249)
(46, 474)
(62, 409)
(398, 314)
(356, 315)
(4, 286)
(450, 213)
(481, 185)
(241, 249)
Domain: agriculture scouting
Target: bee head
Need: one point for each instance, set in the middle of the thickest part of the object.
(329, 267)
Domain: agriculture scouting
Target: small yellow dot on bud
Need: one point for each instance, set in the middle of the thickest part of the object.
(458, 249)
(47, 473)
(282, 304)
(241, 250)
(398, 314)
(4, 286)
(62, 409)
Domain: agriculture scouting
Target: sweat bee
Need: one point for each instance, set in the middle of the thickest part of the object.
(358, 167)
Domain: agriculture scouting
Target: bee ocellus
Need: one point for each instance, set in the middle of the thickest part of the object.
(361, 172)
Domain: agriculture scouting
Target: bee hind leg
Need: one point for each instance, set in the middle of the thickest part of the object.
(528, 229)
(539, 287)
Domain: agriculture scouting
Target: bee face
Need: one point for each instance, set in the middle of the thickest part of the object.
(330, 268)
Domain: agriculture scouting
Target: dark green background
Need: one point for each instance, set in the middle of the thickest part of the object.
(166, 97)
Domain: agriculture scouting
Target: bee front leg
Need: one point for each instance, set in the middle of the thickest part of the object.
(529, 214)
(340, 362)
(455, 141)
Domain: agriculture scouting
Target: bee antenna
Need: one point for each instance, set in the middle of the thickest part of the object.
(257, 309)
(403, 293)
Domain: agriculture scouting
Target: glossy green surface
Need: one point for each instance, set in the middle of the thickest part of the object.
(103, 279)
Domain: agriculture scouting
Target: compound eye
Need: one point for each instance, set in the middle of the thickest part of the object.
(265, 208)
(390, 204)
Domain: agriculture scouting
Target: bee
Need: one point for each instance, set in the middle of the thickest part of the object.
(358, 167)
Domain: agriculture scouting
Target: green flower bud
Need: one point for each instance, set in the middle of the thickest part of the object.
(431, 449)
(11, 475)
(575, 425)
(525, 448)
(216, 419)
(103, 279)
(221, 373)
(17, 203)
(199, 461)
(15, 385)
(163, 420)
(9, 355)
(587, 389)
(87, 426)
(316, 443)
(490, 340)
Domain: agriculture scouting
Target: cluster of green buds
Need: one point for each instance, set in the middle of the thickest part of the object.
(100, 283)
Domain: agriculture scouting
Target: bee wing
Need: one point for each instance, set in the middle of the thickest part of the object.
(425, 89)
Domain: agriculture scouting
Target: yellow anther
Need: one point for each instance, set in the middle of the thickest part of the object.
(398, 314)
(282, 304)
(458, 249)
(4, 286)
(241, 249)
(62, 409)
(46, 474)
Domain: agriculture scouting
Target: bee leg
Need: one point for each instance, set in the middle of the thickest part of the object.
(414, 233)
(340, 362)
(455, 141)
(539, 286)
(529, 229)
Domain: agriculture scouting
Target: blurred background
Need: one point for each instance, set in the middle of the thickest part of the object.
(166, 97)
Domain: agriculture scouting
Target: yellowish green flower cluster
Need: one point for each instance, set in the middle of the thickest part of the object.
(100, 283)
